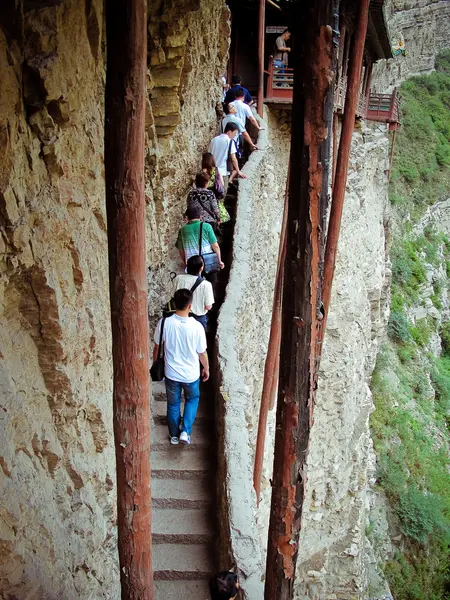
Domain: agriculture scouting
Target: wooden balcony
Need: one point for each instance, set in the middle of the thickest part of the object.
(340, 95)
(384, 108)
(280, 85)
(373, 107)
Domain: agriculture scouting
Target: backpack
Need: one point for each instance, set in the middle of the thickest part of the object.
(169, 308)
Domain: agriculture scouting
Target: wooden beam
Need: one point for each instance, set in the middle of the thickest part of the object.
(261, 37)
(272, 364)
(351, 103)
(274, 4)
(309, 170)
(126, 69)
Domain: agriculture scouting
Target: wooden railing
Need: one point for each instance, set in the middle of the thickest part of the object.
(383, 107)
(340, 95)
(280, 83)
(373, 107)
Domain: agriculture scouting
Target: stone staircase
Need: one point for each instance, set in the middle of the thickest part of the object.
(183, 525)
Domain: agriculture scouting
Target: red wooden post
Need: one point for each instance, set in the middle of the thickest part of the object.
(270, 79)
(261, 31)
(340, 182)
(272, 364)
(309, 164)
(126, 33)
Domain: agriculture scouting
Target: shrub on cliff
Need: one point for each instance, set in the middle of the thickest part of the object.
(411, 386)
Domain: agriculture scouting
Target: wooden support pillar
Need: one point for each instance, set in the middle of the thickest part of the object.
(272, 364)
(309, 165)
(126, 68)
(351, 103)
(391, 156)
(261, 35)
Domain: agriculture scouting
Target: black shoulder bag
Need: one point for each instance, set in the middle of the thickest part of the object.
(210, 258)
(157, 368)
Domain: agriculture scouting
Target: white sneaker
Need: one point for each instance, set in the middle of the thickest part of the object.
(185, 438)
(174, 440)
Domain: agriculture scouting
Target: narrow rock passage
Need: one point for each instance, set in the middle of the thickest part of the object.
(183, 479)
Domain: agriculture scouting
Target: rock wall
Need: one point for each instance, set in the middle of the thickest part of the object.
(188, 52)
(424, 25)
(243, 333)
(57, 501)
(57, 476)
(340, 464)
(332, 554)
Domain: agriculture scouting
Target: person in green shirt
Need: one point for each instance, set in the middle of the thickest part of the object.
(189, 234)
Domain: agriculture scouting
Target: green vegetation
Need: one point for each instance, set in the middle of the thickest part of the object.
(411, 386)
(421, 168)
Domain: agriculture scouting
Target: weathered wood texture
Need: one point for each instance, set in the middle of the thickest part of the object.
(272, 364)
(340, 182)
(309, 162)
(261, 38)
(126, 26)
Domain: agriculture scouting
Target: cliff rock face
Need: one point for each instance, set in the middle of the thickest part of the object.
(188, 50)
(424, 25)
(57, 502)
(330, 563)
(57, 476)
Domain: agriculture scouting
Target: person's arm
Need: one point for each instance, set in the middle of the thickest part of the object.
(183, 256)
(281, 45)
(216, 249)
(209, 295)
(215, 207)
(156, 340)
(249, 140)
(255, 123)
(236, 167)
(205, 364)
(155, 352)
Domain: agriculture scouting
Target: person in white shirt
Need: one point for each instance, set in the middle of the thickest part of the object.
(184, 342)
(203, 296)
(230, 111)
(244, 111)
(223, 147)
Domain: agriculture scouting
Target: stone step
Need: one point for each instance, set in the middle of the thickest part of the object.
(185, 589)
(176, 493)
(201, 437)
(158, 390)
(179, 462)
(181, 526)
(178, 561)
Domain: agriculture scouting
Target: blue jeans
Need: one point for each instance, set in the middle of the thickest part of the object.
(201, 319)
(191, 400)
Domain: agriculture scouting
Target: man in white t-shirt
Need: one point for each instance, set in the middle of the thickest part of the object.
(230, 111)
(223, 147)
(202, 295)
(244, 111)
(184, 342)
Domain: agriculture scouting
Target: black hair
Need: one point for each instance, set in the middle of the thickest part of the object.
(182, 298)
(201, 180)
(231, 127)
(286, 31)
(192, 212)
(239, 93)
(226, 108)
(235, 79)
(194, 264)
(224, 586)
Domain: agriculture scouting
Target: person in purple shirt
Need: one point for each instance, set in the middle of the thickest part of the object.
(236, 82)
